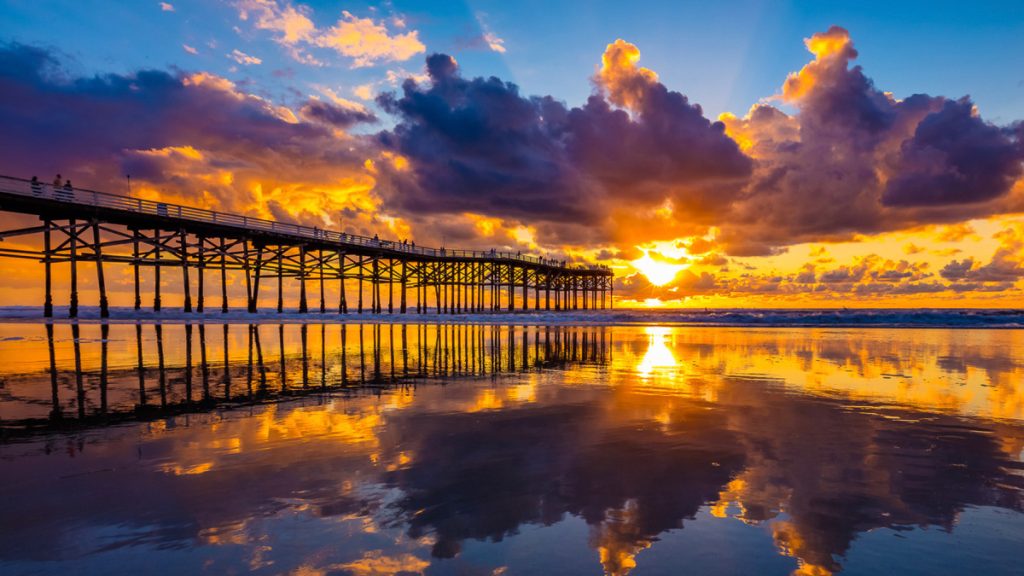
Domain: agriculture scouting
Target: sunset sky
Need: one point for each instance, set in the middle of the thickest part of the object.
(755, 154)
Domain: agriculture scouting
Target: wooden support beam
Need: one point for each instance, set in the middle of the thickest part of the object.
(280, 279)
(223, 279)
(391, 286)
(526, 293)
(427, 279)
(254, 304)
(456, 288)
(547, 290)
(73, 307)
(376, 285)
(320, 264)
(156, 271)
(202, 275)
(101, 282)
(186, 284)
(446, 288)
(48, 279)
(405, 282)
(536, 289)
(417, 285)
(303, 307)
(429, 282)
(495, 295)
(359, 283)
(342, 303)
(511, 288)
(247, 268)
(583, 281)
(473, 286)
(435, 282)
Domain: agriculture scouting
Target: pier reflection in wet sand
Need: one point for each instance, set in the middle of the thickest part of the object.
(156, 370)
(511, 450)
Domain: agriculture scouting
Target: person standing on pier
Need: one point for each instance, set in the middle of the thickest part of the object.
(69, 191)
(37, 187)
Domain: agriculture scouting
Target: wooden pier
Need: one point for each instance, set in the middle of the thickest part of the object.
(373, 275)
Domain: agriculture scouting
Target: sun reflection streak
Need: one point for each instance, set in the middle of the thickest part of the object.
(659, 357)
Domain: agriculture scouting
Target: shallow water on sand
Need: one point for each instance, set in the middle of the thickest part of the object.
(482, 449)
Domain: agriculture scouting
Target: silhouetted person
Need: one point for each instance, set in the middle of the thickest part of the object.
(56, 182)
(37, 186)
(69, 191)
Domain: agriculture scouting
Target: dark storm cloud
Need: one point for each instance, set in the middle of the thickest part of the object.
(954, 158)
(328, 113)
(853, 159)
(478, 145)
(50, 119)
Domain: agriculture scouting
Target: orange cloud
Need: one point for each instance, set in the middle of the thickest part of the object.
(365, 41)
(622, 76)
(243, 58)
(831, 49)
(368, 42)
(292, 24)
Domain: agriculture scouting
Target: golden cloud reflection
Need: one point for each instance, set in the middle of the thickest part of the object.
(376, 563)
(618, 539)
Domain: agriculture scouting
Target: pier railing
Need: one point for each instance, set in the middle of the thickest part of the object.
(81, 196)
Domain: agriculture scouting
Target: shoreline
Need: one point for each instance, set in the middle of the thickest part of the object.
(725, 318)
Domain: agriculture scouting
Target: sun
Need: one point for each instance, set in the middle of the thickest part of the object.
(658, 273)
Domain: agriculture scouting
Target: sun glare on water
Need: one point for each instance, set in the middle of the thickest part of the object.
(658, 273)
